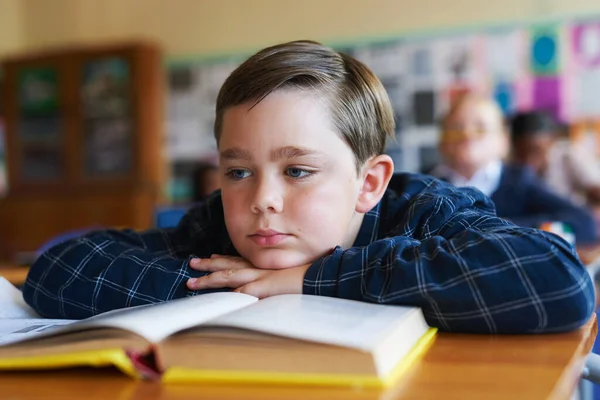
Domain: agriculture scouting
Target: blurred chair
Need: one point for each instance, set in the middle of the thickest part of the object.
(169, 217)
(58, 239)
(28, 257)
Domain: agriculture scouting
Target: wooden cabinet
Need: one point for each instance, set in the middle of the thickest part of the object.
(84, 132)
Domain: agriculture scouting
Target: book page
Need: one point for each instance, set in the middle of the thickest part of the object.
(12, 304)
(16, 330)
(321, 319)
(154, 322)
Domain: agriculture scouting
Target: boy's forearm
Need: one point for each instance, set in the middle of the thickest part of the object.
(94, 274)
(508, 281)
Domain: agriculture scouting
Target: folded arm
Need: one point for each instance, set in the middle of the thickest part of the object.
(476, 273)
(107, 270)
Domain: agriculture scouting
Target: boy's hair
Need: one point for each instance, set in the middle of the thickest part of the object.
(476, 98)
(358, 103)
(528, 124)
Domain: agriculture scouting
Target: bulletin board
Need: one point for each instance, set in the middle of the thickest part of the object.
(552, 66)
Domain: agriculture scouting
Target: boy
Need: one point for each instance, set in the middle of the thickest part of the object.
(474, 144)
(305, 207)
(570, 170)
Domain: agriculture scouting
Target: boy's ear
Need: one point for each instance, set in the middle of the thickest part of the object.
(376, 174)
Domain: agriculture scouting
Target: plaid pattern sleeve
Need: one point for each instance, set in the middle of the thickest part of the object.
(112, 269)
(431, 245)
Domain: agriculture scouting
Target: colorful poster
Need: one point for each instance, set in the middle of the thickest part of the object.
(585, 45)
(387, 60)
(504, 94)
(545, 50)
(505, 55)
(547, 95)
(424, 108)
(585, 91)
(457, 68)
(421, 62)
(523, 94)
(191, 138)
(457, 60)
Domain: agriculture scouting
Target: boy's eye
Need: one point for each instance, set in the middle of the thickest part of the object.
(238, 174)
(297, 173)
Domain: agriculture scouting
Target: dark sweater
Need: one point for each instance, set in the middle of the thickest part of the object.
(522, 198)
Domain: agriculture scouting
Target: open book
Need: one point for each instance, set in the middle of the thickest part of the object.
(233, 337)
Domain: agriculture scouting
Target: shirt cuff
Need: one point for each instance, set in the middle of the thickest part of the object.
(321, 278)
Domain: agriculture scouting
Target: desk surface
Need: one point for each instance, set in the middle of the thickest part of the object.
(455, 367)
(15, 274)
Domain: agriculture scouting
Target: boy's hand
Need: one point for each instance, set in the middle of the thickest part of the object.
(239, 274)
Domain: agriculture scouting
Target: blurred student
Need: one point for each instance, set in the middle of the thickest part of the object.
(569, 169)
(205, 180)
(474, 145)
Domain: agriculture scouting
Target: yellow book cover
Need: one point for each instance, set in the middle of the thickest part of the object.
(233, 337)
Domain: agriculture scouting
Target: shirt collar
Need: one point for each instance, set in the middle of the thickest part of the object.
(487, 179)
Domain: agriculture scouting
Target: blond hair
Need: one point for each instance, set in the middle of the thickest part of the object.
(480, 100)
(491, 112)
(358, 103)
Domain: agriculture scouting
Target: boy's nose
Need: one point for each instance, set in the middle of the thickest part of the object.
(267, 199)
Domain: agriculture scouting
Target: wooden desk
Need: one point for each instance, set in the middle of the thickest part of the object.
(15, 274)
(455, 367)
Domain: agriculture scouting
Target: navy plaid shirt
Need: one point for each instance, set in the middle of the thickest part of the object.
(426, 244)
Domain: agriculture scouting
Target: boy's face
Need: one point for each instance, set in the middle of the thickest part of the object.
(533, 150)
(472, 137)
(289, 182)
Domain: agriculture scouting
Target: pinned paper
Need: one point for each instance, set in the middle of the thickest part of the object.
(585, 45)
(421, 62)
(504, 94)
(545, 50)
(457, 60)
(504, 53)
(424, 108)
(546, 95)
(586, 94)
(387, 60)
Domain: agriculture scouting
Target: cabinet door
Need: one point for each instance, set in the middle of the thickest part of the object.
(35, 123)
(106, 117)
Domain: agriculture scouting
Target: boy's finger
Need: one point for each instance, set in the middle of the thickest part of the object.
(230, 278)
(258, 288)
(218, 263)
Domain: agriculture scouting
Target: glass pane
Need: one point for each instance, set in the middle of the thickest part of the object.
(107, 122)
(40, 125)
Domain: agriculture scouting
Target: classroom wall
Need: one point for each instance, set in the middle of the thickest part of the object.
(196, 27)
(11, 23)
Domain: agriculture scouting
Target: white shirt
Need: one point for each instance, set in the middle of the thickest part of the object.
(487, 179)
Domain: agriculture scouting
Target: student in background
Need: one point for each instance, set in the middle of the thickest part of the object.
(474, 145)
(205, 180)
(310, 204)
(570, 169)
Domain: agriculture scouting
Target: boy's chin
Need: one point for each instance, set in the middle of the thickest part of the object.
(278, 260)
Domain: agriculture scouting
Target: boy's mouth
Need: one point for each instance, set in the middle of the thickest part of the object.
(268, 237)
